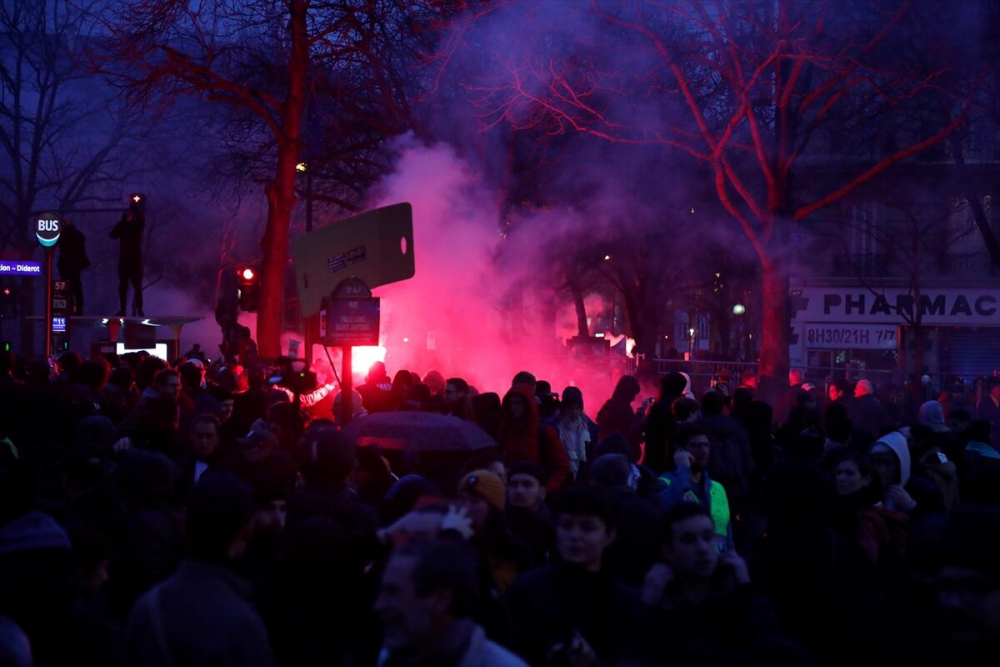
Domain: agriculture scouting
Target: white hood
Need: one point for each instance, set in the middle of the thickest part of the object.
(895, 442)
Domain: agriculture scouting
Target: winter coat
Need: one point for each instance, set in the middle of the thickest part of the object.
(533, 441)
(679, 487)
(636, 547)
(730, 463)
(943, 474)
(576, 463)
(869, 414)
(719, 629)
(129, 235)
(922, 491)
(202, 615)
(617, 415)
(931, 414)
(546, 606)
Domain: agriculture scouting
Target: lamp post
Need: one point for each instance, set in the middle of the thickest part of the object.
(303, 168)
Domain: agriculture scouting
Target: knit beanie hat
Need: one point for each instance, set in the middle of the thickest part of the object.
(486, 485)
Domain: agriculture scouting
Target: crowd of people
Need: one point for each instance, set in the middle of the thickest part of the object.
(209, 514)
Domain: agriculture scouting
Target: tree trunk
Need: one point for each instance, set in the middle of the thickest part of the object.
(281, 192)
(583, 328)
(918, 355)
(776, 320)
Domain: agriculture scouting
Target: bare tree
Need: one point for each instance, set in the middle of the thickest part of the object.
(264, 59)
(64, 142)
(912, 245)
(750, 89)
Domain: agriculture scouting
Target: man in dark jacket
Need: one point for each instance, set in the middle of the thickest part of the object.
(617, 415)
(128, 231)
(731, 463)
(868, 413)
(202, 614)
(527, 515)
(660, 424)
(73, 260)
(636, 547)
(701, 602)
(575, 608)
(376, 391)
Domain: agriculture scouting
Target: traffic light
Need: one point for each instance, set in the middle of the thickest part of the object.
(249, 288)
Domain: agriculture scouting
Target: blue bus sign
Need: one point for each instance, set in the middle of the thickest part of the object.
(47, 228)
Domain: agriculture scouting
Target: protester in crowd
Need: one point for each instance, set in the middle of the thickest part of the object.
(617, 415)
(484, 496)
(868, 415)
(702, 605)
(685, 410)
(376, 391)
(860, 514)
(456, 397)
(435, 382)
(128, 231)
(528, 516)
(635, 548)
(199, 457)
(427, 600)
(903, 492)
(731, 463)
(548, 400)
(979, 435)
(202, 614)
(574, 611)
(690, 481)
(931, 414)
(840, 391)
(851, 535)
(522, 437)
(577, 432)
(660, 422)
(931, 462)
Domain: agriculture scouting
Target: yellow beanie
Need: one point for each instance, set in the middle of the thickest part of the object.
(486, 485)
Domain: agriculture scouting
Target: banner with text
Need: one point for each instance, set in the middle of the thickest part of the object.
(858, 305)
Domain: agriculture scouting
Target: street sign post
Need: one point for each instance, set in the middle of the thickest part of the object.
(352, 319)
(375, 247)
(47, 228)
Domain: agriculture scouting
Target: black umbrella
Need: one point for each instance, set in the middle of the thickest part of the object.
(418, 432)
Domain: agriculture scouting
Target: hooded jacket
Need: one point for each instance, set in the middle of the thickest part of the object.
(533, 441)
(927, 497)
(896, 443)
(200, 615)
(931, 415)
(617, 415)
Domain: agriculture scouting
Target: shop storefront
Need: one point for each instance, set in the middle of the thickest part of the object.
(854, 330)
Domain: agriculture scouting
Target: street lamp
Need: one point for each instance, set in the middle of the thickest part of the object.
(739, 309)
(303, 168)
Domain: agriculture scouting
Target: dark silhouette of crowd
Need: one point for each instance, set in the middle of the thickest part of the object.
(199, 513)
